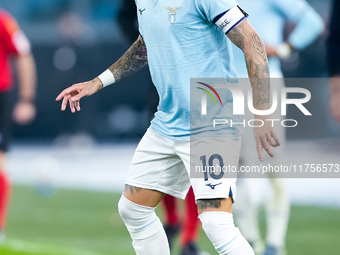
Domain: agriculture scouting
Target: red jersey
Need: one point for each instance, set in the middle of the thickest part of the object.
(12, 42)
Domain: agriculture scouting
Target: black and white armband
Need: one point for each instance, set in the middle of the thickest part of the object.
(228, 20)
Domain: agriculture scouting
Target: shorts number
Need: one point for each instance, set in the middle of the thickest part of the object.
(215, 172)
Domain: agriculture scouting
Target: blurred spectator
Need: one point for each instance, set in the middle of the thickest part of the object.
(127, 20)
(334, 60)
(13, 43)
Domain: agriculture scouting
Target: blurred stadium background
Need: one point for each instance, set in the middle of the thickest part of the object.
(68, 169)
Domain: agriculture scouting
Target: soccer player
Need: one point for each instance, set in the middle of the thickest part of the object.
(333, 56)
(14, 44)
(269, 17)
(182, 40)
(189, 228)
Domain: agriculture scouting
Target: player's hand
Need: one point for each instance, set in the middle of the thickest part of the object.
(265, 138)
(73, 94)
(24, 112)
(335, 97)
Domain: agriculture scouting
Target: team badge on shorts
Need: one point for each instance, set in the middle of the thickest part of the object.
(172, 13)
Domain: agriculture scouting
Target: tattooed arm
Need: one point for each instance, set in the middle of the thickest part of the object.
(246, 38)
(133, 60)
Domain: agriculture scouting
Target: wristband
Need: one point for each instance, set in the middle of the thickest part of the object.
(283, 51)
(107, 78)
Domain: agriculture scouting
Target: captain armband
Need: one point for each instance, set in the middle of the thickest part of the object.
(230, 19)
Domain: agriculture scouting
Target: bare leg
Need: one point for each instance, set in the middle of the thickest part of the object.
(144, 197)
(219, 204)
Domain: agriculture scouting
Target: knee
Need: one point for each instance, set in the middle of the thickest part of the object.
(141, 221)
(208, 223)
(214, 213)
(128, 210)
(123, 210)
(133, 213)
(213, 219)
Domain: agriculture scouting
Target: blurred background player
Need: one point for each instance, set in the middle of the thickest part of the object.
(334, 60)
(269, 18)
(189, 227)
(14, 44)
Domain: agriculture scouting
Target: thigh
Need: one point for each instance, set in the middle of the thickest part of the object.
(145, 197)
(156, 167)
(212, 165)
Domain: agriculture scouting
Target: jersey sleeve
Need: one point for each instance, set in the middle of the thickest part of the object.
(291, 9)
(211, 9)
(309, 24)
(16, 40)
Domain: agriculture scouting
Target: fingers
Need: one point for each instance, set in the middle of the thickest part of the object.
(71, 96)
(271, 140)
(80, 94)
(77, 104)
(71, 103)
(259, 150)
(266, 141)
(64, 102)
(267, 148)
(60, 96)
(74, 105)
(66, 92)
(261, 144)
(276, 139)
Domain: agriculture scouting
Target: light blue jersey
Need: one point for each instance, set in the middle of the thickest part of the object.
(269, 17)
(182, 43)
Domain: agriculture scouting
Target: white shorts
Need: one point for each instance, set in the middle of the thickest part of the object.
(163, 164)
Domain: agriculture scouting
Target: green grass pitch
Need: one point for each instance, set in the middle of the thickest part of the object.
(75, 222)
